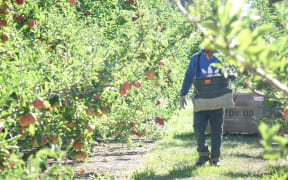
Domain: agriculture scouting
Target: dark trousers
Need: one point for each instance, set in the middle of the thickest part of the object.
(216, 120)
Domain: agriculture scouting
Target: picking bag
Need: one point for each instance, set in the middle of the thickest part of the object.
(211, 93)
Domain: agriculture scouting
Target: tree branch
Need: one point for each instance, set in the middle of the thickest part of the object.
(262, 94)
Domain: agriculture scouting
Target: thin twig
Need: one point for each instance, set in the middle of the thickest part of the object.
(8, 115)
(95, 89)
(262, 94)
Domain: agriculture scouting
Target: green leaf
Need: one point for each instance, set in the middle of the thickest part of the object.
(69, 170)
(272, 154)
(32, 129)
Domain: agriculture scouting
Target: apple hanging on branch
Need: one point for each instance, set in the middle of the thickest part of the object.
(286, 113)
(20, 2)
(4, 37)
(137, 84)
(38, 103)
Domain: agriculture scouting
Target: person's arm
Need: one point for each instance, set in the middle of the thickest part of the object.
(189, 76)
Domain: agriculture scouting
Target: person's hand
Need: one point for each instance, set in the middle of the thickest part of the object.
(232, 77)
(183, 102)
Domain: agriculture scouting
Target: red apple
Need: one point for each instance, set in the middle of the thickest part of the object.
(6, 8)
(77, 145)
(97, 99)
(133, 123)
(139, 134)
(72, 2)
(3, 23)
(131, 1)
(157, 84)
(122, 91)
(20, 18)
(20, 2)
(97, 114)
(161, 63)
(53, 138)
(31, 24)
(15, 16)
(87, 13)
(23, 121)
(286, 112)
(117, 133)
(161, 121)
(137, 84)
(44, 140)
(38, 103)
(80, 156)
(150, 75)
(89, 112)
(4, 37)
(126, 85)
(104, 110)
(31, 118)
(133, 132)
(134, 19)
(83, 155)
(157, 118)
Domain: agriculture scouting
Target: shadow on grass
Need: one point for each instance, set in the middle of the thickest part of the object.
(187, 136)
(229, 140)
(183, 170)
(180, 172)
(247, 156)
(187, 140)
(235, 175)
(93, 176)
(232, 141)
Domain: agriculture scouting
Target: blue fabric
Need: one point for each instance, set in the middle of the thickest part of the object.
(205, 70)
(216, 120)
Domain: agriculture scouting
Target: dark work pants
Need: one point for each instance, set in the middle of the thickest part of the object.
(216, 120)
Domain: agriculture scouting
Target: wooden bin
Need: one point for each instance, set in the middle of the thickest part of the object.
(242, 117)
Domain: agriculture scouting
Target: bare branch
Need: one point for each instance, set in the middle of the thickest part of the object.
(262, 94)
(8, 115)
(95, 89)
(258, 70)
(190, 18)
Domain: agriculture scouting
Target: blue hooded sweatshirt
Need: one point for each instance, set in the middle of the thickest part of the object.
(205, 70)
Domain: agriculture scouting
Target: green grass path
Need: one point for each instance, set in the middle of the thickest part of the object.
(173, 157)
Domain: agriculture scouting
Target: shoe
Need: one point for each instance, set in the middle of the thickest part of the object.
(215, 163)
(202, 160)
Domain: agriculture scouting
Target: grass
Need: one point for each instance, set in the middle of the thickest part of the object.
(174, 156)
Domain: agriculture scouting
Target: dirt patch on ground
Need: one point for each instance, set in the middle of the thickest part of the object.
(115, 158)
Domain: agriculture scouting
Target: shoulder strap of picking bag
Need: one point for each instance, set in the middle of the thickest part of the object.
(198, 64)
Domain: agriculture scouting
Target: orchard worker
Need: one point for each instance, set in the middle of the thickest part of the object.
(201, 67)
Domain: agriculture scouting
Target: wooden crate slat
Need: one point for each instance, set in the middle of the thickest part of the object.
(241, 117)
(245, 113)
(238, 126)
